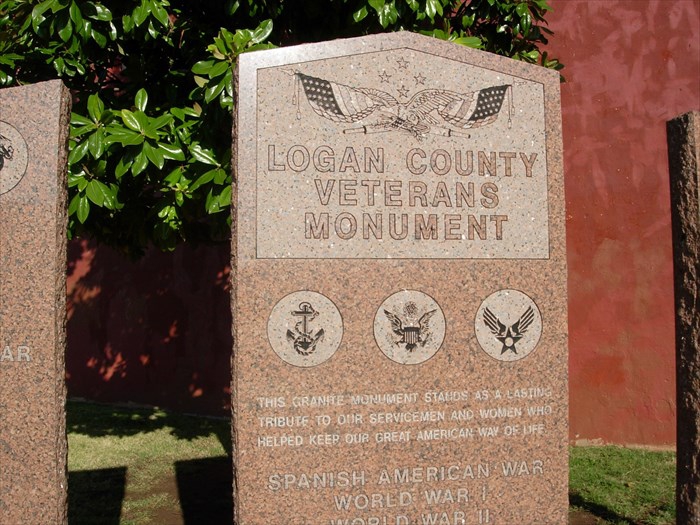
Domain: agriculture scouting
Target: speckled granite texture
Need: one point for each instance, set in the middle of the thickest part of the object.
(684, 158)
(416, 188)
(33, 487)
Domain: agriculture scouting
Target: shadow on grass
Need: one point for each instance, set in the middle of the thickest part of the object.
(96, 420)
(95, 496)
(205, 490)
(599, 511)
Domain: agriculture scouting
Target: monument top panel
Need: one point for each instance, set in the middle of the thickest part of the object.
(395, 146)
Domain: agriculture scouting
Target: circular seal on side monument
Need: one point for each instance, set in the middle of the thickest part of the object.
(409, 327)
(13, 157)
(305, 328)
(508, 325)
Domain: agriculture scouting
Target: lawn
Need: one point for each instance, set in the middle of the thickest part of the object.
(147, 466)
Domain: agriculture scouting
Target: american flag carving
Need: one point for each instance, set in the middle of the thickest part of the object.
(434, 111)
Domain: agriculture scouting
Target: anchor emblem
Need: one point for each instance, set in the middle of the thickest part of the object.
(302, 338)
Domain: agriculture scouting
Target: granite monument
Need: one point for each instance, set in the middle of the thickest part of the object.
(33, 141)
(400, 300)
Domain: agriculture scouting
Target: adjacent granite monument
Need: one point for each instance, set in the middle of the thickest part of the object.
(399, 269)
(33, 139)
(684, 159)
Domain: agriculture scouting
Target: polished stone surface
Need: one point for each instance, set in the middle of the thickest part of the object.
(33, 142)
(417, 186)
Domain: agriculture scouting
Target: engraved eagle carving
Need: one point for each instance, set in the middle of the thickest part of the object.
(410, 330)
(437, 111)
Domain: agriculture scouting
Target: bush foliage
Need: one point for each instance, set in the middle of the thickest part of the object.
(150, 159)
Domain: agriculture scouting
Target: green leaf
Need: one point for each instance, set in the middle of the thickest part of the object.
(160, 13)
(165, 211)
(66, 31)
(130, 120)
(95, 107)
(225, 197)
(202, 67)
(433, 7)
(214, 90)
(360, 14)
(78, 152)
(171, 151)
(469, 41)
(122, 167)
(262, 32)
(75, 14)
(174, 176)
(99, 38)
(212, 205)
(100, 194)
(387, 14)
(161, 121)
(141, 99)
(221, 177)
(97, 12)
(202, 180)
(78, 120)
(140, 13)
(83, 209)
(96, 143)
(73, 206)
(522, 9)
(139, 164)
(124, 136)
(413, 4)
(143, 120)
(218, 69)
(202, 155)
(154, 155)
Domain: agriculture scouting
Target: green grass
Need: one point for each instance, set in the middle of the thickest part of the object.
(131, 466)
(148, 466)
(624, 486)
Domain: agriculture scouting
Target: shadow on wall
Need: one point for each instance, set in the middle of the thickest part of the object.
(155, 331)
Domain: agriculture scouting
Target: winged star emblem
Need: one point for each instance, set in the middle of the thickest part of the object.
(410, 330)
(429, 111)
(509, 335)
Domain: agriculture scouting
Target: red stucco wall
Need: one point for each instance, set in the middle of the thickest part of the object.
(630, 67)
(158, 331)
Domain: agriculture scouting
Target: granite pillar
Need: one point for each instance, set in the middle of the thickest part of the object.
(33, 147)
(683, 157)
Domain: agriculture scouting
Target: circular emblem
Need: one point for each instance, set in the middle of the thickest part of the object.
(305, 328)
(409, 327)
(508, 325)
(13, 157)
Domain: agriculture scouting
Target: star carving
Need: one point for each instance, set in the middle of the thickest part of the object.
(384, 77)
(403, 63)
(403, 91)
(420, 79)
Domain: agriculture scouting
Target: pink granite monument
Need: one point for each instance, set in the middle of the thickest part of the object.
(33, 139)
(400, 304)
